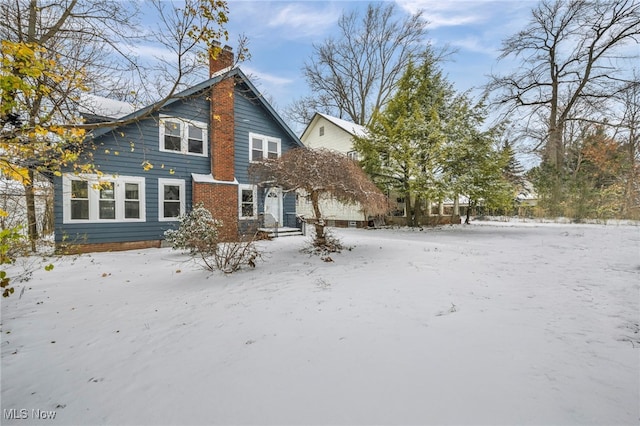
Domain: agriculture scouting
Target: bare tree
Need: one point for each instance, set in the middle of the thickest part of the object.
(353, 74)
(569, 55)
(628, 127)
(321, 173)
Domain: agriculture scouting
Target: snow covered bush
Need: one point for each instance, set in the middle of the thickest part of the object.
(198, 232)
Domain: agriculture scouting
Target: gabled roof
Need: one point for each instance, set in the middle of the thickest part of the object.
(235, 73)
(349, 127)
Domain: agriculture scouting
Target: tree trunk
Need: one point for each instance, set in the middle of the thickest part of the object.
(467, 220)
(409, 209)
(419, 212)
(30, 198)
(320, 239)
(630, 188)
(456, 205)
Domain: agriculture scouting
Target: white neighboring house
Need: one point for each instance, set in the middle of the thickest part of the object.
(336, 134)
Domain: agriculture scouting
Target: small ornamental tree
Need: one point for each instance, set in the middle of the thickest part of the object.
(321, 173)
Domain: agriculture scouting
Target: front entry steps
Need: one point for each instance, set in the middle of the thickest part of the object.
(280, 232)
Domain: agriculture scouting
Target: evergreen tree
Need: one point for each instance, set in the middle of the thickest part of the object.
(473, 166)
(428, 144)
(403, 149)
(513, 171)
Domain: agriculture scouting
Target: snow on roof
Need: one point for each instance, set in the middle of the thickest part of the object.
(208, 178)
(104, 107)
(354, 129)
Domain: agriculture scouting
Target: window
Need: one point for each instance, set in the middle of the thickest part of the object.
(353, 155)
(183, 136)
(256, 149)
(79, 200)
(171, 199)
(273, 149)
(196, 140)
(131, 201)
(261, 147)
(172, 136)
(321, 131)
(247, 197)
(107, 201)
(89, 198)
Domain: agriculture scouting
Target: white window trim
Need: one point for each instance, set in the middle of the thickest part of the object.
(175, 182)
(265, 145)
(184, 135)
(94, 197)
(253, 188)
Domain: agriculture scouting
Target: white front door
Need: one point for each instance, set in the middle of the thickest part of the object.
(273, 206)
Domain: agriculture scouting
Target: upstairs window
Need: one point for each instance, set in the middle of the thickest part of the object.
(261, 147)
(256, 149)
(196, 140)
(172, 136)
(321, 131)
(183, 136)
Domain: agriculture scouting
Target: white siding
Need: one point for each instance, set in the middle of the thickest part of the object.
(337, 139)
(330, 209)
(334, 137)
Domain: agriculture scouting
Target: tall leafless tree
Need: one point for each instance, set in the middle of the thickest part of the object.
(353, 74)
(628, 131)
(568, 56)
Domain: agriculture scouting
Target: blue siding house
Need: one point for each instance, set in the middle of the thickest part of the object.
(195, 149)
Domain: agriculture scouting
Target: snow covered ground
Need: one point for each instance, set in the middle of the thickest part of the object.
(492, 323)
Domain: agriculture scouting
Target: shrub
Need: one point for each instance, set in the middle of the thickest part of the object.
(198, 232)
(14, 244)
(329, 244)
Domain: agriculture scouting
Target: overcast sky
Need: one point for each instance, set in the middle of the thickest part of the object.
(281, 35)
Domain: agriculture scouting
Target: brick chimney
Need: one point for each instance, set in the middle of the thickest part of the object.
(222, 117)
(220, 58)
(220, 197)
